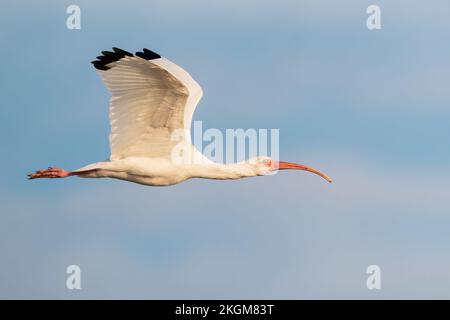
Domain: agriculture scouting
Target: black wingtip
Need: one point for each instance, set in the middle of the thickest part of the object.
(108, 57)
(147, 54)
(99, 65)
(120, 51)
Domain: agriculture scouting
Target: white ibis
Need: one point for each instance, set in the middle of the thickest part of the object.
(151, 99)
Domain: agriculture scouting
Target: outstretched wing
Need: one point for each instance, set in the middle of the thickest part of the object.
(152, 99)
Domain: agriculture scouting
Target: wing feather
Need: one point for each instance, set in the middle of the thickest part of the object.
(151, 97)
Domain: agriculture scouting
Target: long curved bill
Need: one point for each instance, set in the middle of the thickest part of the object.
(282, 165)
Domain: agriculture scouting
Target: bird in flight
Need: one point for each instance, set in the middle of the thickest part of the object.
(153, 100)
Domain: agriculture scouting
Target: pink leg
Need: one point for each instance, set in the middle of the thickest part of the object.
(57, 173)
(49, 173)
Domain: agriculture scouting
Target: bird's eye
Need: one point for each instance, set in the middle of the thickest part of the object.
(267, 162)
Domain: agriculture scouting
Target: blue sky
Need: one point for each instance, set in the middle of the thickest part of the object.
(370, 108)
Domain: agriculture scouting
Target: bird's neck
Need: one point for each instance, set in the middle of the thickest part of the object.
(223, 171)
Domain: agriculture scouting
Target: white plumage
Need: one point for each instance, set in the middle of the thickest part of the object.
(150, 99)
(151, 108)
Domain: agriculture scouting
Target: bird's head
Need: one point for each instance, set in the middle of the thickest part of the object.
(265, 165)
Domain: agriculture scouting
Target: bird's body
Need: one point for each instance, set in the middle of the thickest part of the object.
(151, 109)
(163, 172)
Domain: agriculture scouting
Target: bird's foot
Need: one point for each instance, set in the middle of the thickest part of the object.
(49, 173)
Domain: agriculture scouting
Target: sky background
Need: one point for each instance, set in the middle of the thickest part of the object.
(370, 108)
